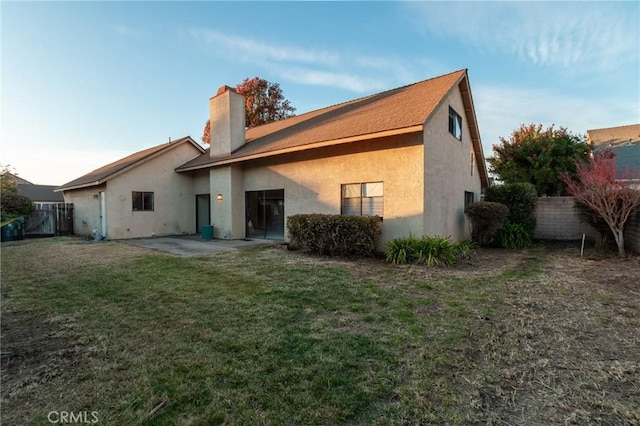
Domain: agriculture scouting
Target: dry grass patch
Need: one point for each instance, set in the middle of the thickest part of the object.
(267, 336)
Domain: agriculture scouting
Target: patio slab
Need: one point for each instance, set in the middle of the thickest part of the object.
(194, 245)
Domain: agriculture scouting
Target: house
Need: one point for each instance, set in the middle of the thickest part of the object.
(411, 155)
(136, 196)
(624, 142)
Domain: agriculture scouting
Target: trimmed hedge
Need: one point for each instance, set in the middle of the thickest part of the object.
(520, 198)
(334, 235)
(486, 218)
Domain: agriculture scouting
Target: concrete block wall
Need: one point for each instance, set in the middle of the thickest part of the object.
(632, 233)
(557, 219)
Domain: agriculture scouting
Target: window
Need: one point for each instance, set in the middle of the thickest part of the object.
(142, 201)
(472, 161)
(362, 199)
(468, 199)
(455, 124)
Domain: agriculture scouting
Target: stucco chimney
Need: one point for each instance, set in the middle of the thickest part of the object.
(227, 129)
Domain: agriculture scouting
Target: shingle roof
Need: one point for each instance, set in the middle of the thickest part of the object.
(615, 135)
(103, 174)
(398, 110)
(40, 193)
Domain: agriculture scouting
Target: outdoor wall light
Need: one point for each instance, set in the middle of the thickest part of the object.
(219, 197)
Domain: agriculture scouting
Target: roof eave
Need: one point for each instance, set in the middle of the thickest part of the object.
(322, 144)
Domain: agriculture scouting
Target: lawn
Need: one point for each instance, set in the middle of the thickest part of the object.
(125, 335)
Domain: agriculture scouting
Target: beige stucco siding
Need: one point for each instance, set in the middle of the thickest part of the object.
(174, 200)
(312, 184)
(447, 165)
(86, 204)
(201, 182)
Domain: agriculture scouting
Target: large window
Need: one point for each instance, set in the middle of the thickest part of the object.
(362, 199)
(455, 124)
(142, 201)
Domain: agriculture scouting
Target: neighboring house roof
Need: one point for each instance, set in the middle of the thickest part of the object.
(103, 174)
(393, 112)
(614, 135)
(624, 142)
(40, 193)
(14, 178)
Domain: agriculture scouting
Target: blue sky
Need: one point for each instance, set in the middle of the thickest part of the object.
(86, 83)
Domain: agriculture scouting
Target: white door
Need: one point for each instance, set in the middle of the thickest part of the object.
(103, 215)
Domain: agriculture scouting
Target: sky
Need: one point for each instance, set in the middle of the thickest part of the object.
(86, 83)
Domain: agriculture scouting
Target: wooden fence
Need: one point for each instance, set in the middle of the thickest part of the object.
(50, 219)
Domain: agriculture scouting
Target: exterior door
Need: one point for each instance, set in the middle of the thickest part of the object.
(203, 211)
(265, 214)
(103, 214)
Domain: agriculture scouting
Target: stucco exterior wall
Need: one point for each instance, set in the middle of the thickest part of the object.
(312, 180)
(227, 215)
(174, 200)
(86, 209)
(448, 173)
(201, 182)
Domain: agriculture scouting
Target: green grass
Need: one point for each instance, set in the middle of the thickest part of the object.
(254, 337)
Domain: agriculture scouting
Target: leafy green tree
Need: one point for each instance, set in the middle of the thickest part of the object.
(539, 156)
(264, 103)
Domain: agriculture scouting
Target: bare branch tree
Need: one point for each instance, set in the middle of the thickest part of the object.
(597, 188)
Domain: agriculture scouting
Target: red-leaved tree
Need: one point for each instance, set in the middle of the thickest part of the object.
(612, 199)
(264, 103)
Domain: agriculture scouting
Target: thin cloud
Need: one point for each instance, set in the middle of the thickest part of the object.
(557, 34)
(126, 31)
(317, 67)
(251, 48)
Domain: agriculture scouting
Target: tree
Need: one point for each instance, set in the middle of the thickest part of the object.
(264, 103)
(598, 189)
(7, 184)
(539, 156)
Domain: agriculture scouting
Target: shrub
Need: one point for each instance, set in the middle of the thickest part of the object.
(13, 204)
(520, 198)
(430, 251)
(514, 235)
(486, 218)
(401, 250)
(334, 235)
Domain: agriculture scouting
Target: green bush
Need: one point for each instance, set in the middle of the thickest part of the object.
(430, 251)
(14, 205)
(334, 235)
(514, 235)
(486, 218)
(520, 198)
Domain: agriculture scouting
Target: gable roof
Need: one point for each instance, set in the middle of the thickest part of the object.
(103, 174)
(15, 178)
(397, 111)
(40, 193)
(615, 135)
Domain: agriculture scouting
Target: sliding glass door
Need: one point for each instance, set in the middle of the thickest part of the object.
(265, 214)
